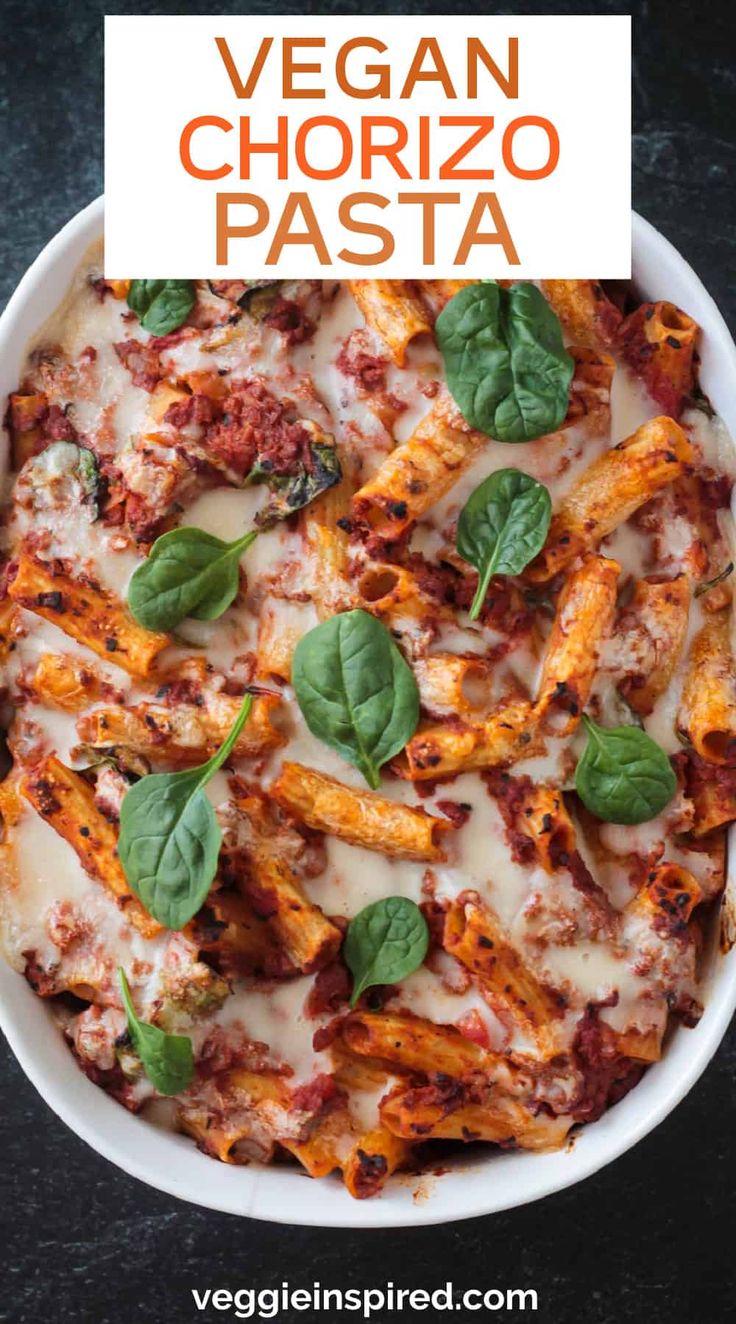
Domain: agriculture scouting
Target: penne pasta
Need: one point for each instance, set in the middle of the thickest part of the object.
(659, 342)
(375, 1157)
(414, 1044)
(707, 713)
(585, 311)
(505, 736)
(583, 617)
(360, 817)
(86, 613)
(417, 473)
(68, 683)
(391, 309)
(186, 733)
(309, 939)
(66, 802)
(648, 639)
(609, 491)
(473, 935)
(416, 1114)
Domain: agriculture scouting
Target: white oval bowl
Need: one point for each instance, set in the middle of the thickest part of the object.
(486, 1182)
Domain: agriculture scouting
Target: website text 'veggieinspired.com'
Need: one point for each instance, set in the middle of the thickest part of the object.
(364, 1302)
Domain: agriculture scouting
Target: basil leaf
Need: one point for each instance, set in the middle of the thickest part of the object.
(502, 526)
(384, 943)
(167, 1059)
(293, 492)
(169, 837)
(623, 775)
(161, 305)
(187, 573)
(506, 366)
(356, 691)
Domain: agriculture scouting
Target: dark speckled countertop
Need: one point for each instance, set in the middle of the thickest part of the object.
(650, 1238)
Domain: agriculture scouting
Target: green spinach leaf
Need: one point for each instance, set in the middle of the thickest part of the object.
(167, 1059)
(161, 305)
(169, 837)
(356, 691)
(385, 942)
(506, 366)
(188, 573)
(623, 775)
(502, 526)
(294, 491)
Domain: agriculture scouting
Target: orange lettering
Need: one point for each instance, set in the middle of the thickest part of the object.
(289, 92)
(381, 88)
(280, 148)
(345, 212)
(553, 147)
(428, 202)
(300, 147)
(500, 235)
(185, 146)
(508, 85)
(369, 149)
(284, 235)
(485, 125)
(440, 73)
(243, 90)
(225, 231)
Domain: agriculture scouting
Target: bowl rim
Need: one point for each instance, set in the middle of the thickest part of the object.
(169, 1162)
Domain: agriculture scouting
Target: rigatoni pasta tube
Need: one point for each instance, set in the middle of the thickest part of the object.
(392, 310)
(658, 341)
(68, 683)
(590, 390)
(473, 935)
(66, 802)
(542, 817)
(327, 543)
(276, 894)
(648, 639)
(498, 1117)
(240, 942)
(394, 594)
(327, 1145)
(185, 733)
(415, 1044)
(505, 736)
(418, 472)
(585, 311)
(713, 797)
(582, 621)
(451, 684)
(376, 1155)
(87, 613)
(243, 1107)
(26, 412)
(609, 491)
(707, 715)
(668, 898)
(8, 613)
(360, 817)
(280, 627)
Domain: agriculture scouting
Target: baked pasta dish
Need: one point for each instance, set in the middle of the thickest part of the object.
(371, 716)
